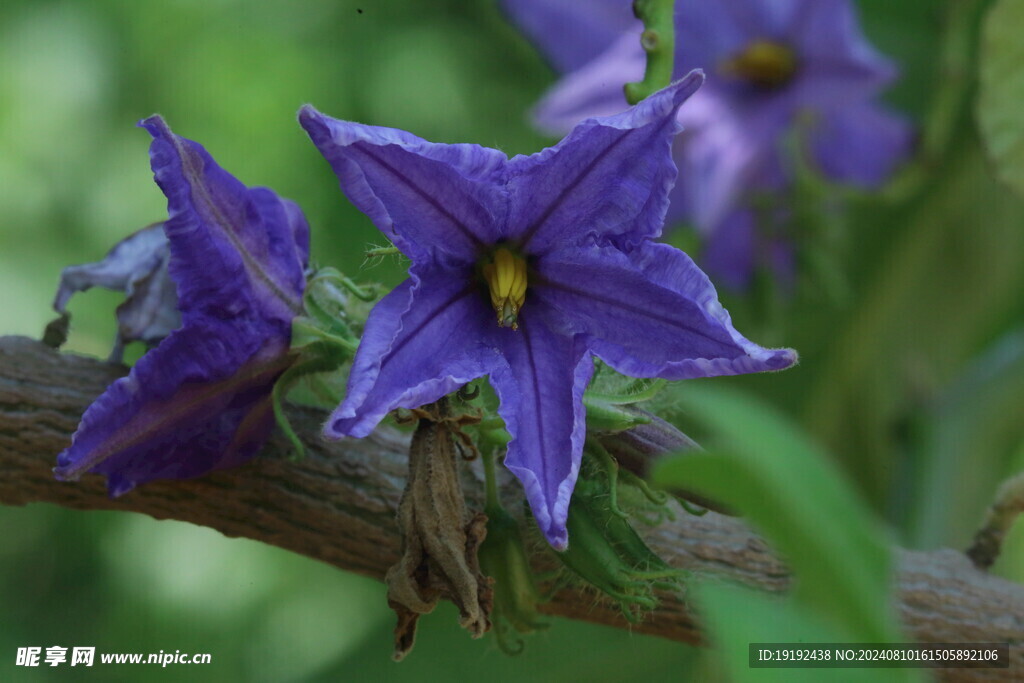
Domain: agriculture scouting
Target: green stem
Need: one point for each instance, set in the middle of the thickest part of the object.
(658, 41)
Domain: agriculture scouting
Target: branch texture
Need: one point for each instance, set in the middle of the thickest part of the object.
(338, 506)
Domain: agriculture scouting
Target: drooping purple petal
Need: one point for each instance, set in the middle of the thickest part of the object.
(541, 393)
(861, 144)
(568, 37)
(201, 399)
(427, 338)
(137, 266)
(424, 196)
(187, 407)
(609, 177)
(233, 248)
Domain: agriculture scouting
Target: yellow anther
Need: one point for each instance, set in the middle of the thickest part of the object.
(506, 278)
(763, 63)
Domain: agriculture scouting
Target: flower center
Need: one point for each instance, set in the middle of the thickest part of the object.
(506, 278)
(765, 64)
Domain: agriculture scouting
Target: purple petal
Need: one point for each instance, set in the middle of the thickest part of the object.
(137, 266)
(602, 294)
(861, 144)
(423, 196)
(232, 248)
(428, 337)
(197, 402)
(596, 89)
(609, 177)
(653, 313)
(541, 393)
(570, 32)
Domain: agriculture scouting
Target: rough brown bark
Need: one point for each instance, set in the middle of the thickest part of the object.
(338, 505)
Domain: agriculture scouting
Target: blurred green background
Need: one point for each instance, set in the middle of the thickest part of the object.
(913, 379)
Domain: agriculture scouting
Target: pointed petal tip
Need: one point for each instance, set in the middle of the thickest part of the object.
(783, 359)
(156, 125)
(333, 430)
(307, 112)
(341, 425)
(684, 87)
(69, 467)
(558, 538)
(63, 472)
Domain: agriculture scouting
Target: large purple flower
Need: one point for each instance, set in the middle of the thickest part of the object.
(771, 65)
(523, 269)
(201, 400)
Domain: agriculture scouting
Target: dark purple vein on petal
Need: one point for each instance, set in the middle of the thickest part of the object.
(532, 230)
(538, 409)
(402, 178)
(731, 351)
(196, 183)
(427, 320)
(172, 411)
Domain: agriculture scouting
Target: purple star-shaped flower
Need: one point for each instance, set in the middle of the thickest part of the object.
(201, 400)
(770, 65)
(523, 269)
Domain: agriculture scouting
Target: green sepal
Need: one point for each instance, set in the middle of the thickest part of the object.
(608, 404)
(610, 418)
(503, 557)
(607, 553)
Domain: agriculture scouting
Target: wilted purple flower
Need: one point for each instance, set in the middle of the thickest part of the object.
(201, 400)
(523, 269)
(771, 65)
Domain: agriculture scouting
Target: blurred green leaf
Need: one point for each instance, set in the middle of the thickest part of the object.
(736, 617)
(1001, 70)
(968, 438)
(930, 300)
(763, 466)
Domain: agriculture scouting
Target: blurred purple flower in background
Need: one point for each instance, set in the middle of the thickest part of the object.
(523, 269)
(772, 66)
(201, 400)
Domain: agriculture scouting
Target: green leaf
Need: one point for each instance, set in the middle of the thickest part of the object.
(1002, 90)
(767, 619)
(967, 443)
(763, 466)
(932, 292)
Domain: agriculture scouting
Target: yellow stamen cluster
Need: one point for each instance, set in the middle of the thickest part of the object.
(506, 278)
(763, 63)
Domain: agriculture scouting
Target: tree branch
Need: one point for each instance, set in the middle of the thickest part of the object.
(338, 505)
